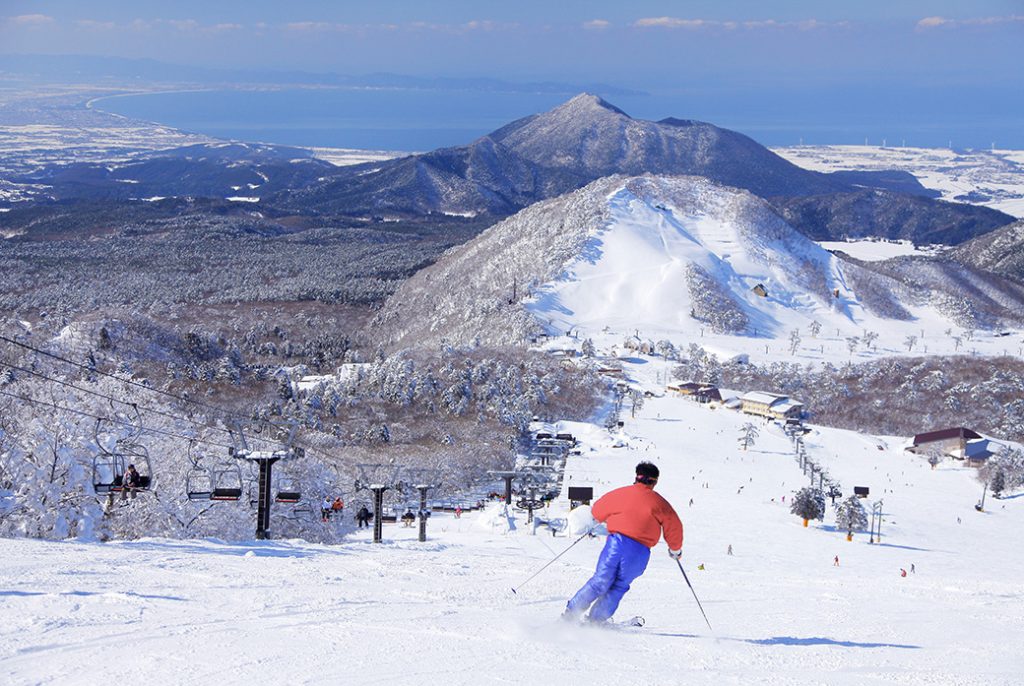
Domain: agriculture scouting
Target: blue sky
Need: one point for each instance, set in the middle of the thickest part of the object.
(938, 69)
(639, 41)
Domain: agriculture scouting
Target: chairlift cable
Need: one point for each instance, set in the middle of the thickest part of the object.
(164, 432)
(112, 399)
(130, 382)
(93, 370)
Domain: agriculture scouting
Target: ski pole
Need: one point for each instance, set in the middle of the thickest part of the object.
(694, 594)
(585, 534)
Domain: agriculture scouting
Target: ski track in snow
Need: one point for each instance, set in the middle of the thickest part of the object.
(169, 612)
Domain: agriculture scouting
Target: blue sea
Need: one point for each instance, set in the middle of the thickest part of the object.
(424, 119)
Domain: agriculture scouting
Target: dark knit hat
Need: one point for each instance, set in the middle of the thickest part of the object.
(646, 473)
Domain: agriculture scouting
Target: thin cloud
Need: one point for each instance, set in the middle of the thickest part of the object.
(597, 25)
(761, 24)
(312, 26)
(27, 20)
(94, 25)
(673, 23)
(938, 22)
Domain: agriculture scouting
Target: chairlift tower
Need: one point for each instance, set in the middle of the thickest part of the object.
(876, 522)
(422, 480)
(508, 476)
(377, 478)
(532, 480)
(264, 459)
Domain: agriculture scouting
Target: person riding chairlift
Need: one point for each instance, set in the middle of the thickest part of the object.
(130, 482)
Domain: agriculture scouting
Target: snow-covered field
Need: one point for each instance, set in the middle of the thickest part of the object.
(343, 157)
(169, 612)
(874, 250)
(994, 178)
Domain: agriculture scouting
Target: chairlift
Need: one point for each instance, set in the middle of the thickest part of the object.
(199, 484)
(109, 467)
(288, 490)
(198, 480)
(226, 483)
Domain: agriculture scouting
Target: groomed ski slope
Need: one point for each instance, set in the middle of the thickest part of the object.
(172, 612)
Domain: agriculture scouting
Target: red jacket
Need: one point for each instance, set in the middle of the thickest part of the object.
(640, 513)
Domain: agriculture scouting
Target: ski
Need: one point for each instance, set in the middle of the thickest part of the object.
(634, 622)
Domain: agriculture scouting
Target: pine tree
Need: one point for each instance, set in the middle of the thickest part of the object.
(748, 434)
(808, 503)
(850, 515)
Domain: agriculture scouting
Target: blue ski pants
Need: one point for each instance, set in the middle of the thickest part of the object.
(621, 561)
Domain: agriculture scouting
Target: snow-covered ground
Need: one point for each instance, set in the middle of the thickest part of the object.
(169, 612)
(343, 157)
(874, 250)
(993, 178)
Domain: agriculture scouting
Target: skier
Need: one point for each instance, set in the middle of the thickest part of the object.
(835, 562)
(636, 518)
(363, 517)
(903, 572)
(338, 505)
(325, 508)
(729, 551)
(913, 569)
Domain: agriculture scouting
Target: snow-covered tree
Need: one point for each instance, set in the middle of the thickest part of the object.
(794, 341)
(851, 344)
(815, 328)
(636, 398)
(808, 503)
(587, 348)
(910, 342)
(748, 434)
(1004, 471)
(850, 515)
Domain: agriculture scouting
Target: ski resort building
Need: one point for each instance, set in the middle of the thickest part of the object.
(978, 453)
(700, 392)
(771, 405)
(951, 442)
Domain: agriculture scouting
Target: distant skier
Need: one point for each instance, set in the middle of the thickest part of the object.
(729, 551)
(363, 517)
(325, 508)
(913, 569)
(903, 572)
(835, 562)
(636, 518)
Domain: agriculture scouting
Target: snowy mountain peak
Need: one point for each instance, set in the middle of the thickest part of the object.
(586, 103)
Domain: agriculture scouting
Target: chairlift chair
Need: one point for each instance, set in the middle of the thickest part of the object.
(199, 484)
(226, 483)
(107, 472)
(287, 490)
